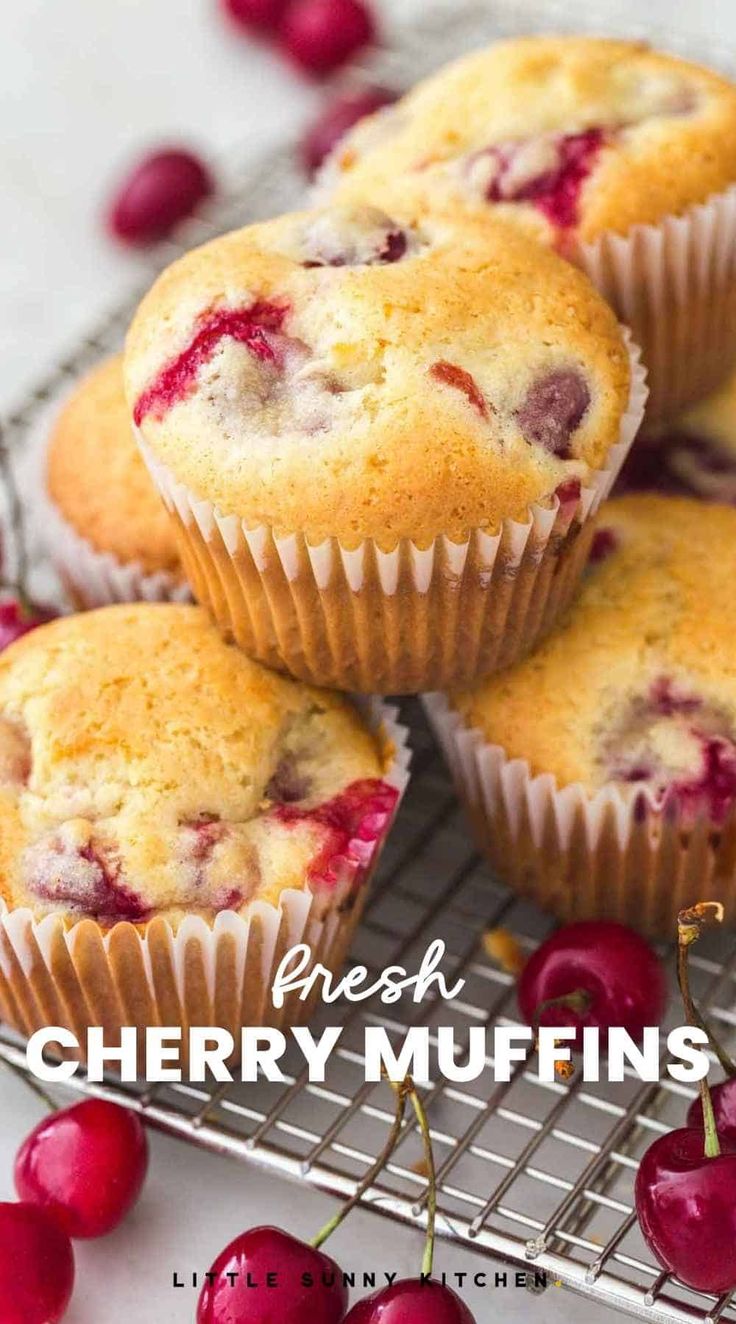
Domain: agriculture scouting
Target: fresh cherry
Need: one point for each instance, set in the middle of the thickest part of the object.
(686, 1204)
(724, 1110)
(593, 973)
(411, 1301)
(256, 15)
(18, 618)
(321, 35)
(304, 1283)
(85, 1165)
(336, 118)
(160, 191)
(36, 1266)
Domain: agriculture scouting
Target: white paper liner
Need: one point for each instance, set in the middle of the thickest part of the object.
(218, 973)
(674, 285)
(96, 579)
(614, 854)
(399, 621)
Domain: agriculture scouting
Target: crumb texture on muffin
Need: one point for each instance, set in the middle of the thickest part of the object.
(96, 477)
(148, 768)
(566, 135)
(342, 373)
(638, 688)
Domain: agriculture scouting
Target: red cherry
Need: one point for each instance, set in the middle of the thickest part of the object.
(723, 1098)
(85, 1165)
(308, 1285)
(321, 35)
(256, 15)
(686, 1204)
(618, 973)
(339, 115)
(36, 1266)
(18, 618)
(411, 1301)
(161, 190)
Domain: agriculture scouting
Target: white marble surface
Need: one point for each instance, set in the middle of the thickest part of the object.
(84, 86)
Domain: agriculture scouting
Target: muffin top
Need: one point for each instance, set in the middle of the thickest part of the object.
(695, 456)
(339, 373)
(147, 768)
(97, 479)
(638, 688)
(570, 136)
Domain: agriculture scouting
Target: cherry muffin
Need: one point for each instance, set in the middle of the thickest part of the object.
(622, 157)
(694, 456)
(174, 817)
(381, 466)
(601, 772)
(108, 531)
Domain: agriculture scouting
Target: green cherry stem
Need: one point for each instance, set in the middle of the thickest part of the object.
(402, 1091)
(423, 1124)
(690, 925)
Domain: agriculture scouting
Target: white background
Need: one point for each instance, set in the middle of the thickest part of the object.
(85, 85)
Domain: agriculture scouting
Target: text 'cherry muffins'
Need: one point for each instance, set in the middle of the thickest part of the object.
(695, 455)
(622, 157)
(600, 774)
(173, 818)
(108, 532)
(381, 466)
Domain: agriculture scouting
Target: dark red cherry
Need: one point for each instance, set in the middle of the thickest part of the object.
(618, 974)
(85, 1165)
(18, 618)
(160, 191)
(321, 35)
(723, 1097)
(605, 543)
(36, 1266)
(334, 121)
(307, 1286)
(680, 463)
(411, 1301)
(255, 15)
(686, 1205)
(553, 408)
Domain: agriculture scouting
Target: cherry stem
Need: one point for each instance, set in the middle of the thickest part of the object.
(690, 925)
(578, 1001)
(402, 1091)
(420, 1113)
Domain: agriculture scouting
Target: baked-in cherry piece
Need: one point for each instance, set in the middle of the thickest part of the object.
(548, 171)
(333, 122)
(36, 1266)
(163, 189)
(594, 973)
(411, 1301)
(250, 1258)
(321, 35)
(85, 1165)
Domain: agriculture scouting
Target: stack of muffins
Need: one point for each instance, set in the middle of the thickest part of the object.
(383, 431)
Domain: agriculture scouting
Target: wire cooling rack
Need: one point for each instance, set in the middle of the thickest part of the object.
(537, 1175)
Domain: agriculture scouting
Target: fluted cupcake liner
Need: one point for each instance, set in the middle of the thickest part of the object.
(93, 578)
(613, 854)
(402, 621)
(674, 285)
(200, 973)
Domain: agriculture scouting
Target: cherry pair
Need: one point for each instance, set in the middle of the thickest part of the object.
(78, 1174)
(318, 36)
(297, 1283)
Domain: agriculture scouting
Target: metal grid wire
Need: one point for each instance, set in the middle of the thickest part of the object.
(539, 1175)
